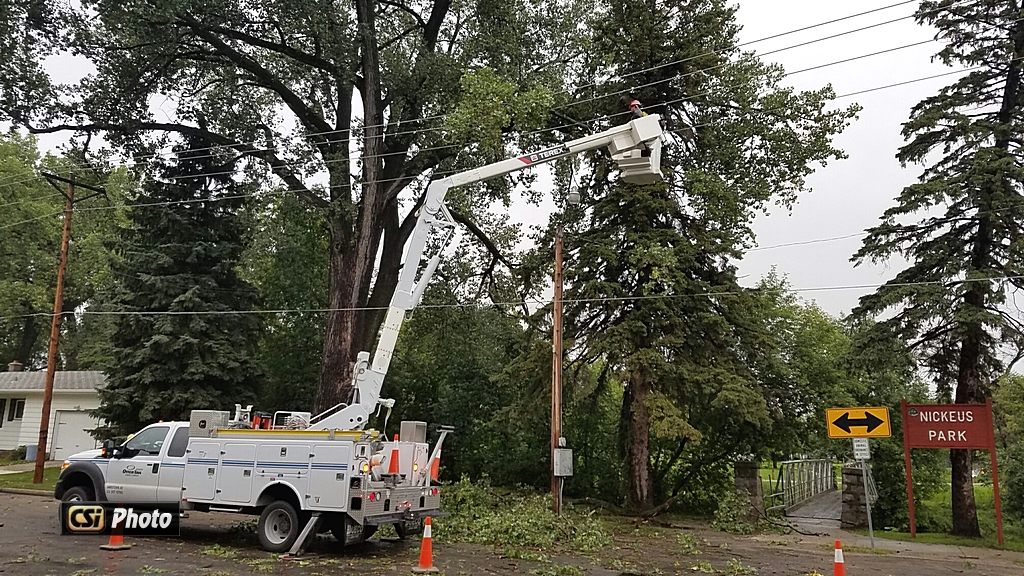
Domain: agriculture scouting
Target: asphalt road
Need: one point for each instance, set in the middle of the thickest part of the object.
(218, 545)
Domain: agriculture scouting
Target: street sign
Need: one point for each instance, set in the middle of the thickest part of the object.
(956, 426)
(861, 450)
(858, 422)
(948, 426)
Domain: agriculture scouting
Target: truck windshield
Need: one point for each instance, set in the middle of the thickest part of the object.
(149, 441)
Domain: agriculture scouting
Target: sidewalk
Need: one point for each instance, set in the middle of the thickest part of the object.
(27, 466)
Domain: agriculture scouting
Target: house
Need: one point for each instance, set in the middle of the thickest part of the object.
(21, 405)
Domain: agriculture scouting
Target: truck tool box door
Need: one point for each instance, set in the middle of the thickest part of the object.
(235, 484)
(328, 476)
(283, 460)
(134, 476)
(201, 470)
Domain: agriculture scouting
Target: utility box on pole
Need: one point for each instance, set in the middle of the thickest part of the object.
(563, 462)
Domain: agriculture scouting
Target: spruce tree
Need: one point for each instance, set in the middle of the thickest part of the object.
(960, 225)
(178, 345)
(737, 140)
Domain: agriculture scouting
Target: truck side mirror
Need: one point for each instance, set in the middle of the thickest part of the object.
(108, 449)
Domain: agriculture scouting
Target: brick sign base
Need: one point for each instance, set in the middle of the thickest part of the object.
(955, 426)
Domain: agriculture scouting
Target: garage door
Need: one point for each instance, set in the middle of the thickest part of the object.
(71, 436)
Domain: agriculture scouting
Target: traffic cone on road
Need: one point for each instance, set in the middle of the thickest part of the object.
(116, 541)
(840, 565)
(426, 551)
(393, 461)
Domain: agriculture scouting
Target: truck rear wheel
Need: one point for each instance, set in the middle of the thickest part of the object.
(278, 527)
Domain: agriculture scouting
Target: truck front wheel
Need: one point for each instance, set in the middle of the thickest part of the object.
(278, 527)
(77, 494)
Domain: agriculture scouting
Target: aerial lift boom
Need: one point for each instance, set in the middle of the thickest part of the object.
(635, 148)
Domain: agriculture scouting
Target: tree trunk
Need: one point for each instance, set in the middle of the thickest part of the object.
(640, 493)
(343, 323)
(968, 390)
(29, 334)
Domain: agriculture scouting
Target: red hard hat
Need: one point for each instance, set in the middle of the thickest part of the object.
(634, 103)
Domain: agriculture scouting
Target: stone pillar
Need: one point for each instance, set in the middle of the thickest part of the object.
(748, 479)
(855, 513)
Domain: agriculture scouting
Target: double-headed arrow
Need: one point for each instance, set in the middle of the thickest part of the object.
(845, 423)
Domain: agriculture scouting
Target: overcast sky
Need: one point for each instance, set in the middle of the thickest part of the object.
(850, 195)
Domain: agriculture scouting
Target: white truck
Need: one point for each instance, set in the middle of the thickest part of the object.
(328, 472)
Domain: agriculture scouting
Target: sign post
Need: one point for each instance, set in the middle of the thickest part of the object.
(860, 423)
(956, 426)
(862, 452)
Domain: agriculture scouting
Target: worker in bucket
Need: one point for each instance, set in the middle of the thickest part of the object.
(634, 107)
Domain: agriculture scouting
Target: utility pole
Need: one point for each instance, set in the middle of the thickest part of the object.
(556, 374)
(58, 308)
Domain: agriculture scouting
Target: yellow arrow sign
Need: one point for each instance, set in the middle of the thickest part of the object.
(858, 422)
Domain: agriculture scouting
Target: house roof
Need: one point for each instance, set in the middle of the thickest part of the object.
(35, 381)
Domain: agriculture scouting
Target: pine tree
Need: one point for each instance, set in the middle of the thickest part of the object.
(960, 226)
(736, 140)
(176, 268)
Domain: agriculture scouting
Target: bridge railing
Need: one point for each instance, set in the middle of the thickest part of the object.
(799, 481)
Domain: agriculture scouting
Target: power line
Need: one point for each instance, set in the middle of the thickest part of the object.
(606, 117)
(439, 116)
(707, 294)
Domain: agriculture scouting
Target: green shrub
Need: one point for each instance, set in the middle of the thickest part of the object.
(480, 515)
(733, 513)
(19, 453)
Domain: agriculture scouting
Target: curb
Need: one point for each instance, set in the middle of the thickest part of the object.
(26, 492)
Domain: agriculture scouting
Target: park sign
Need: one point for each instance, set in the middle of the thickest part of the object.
(948, 426)
(859, 422)
(956, 426)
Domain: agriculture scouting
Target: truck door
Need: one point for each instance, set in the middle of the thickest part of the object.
(172, 469)
(134, 476)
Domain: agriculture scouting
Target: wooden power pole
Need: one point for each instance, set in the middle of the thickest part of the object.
(58, 309)
(556, 374)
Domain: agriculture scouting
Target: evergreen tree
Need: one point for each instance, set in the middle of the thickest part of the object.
(736, 141)
(176, 268)
(960, 225)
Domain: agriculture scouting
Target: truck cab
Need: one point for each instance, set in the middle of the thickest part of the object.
(148, 467)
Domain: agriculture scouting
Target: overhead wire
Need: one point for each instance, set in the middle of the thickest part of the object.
(439, 116)
(445, 173)
(706, 294)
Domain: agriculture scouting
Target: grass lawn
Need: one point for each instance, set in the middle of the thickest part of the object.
(934, 520)
(24, 480)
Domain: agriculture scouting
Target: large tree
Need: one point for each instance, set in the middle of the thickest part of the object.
(183, 339)
(960, 226)
(345, 102)
(646, 261)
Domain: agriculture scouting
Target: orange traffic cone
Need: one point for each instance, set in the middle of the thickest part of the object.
(393, 461)
(426, 551)
(435, 468)
(840, 565)
(116, 541)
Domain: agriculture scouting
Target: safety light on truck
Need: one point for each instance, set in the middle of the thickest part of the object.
(365, 467)
(415, 467)
(64, 465)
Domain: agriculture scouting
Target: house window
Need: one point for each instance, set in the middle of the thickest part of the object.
(3, 410)
(17, 411)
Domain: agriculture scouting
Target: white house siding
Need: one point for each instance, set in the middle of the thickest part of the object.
(25, 432)
(10, 432)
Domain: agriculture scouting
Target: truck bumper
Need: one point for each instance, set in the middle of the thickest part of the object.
(396, 517)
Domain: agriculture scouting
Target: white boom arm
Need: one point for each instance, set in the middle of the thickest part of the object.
(635, 148)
